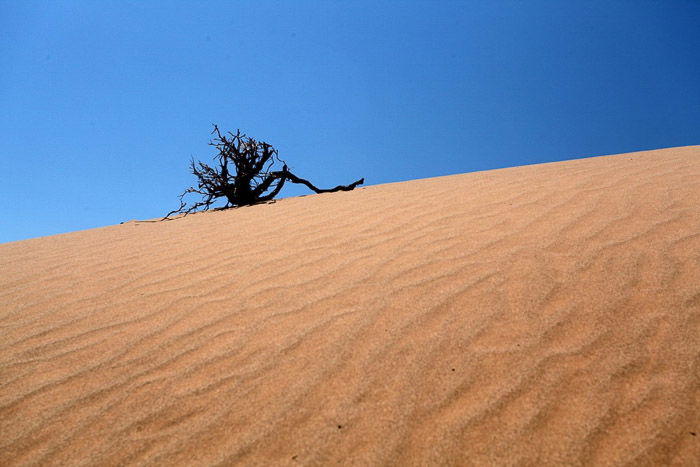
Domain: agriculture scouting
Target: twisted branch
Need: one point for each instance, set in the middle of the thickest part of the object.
(249, 181)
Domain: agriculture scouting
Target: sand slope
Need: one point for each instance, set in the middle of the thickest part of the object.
(539, 315)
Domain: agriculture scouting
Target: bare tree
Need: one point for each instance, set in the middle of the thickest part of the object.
(244, 175)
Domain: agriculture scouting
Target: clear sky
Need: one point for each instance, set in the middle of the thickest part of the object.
(102, 103)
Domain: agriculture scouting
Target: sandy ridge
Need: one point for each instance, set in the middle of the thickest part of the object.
(538, 315)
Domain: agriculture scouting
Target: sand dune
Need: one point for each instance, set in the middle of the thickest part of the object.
(538, 315)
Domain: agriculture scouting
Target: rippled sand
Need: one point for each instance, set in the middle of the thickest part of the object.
(539, 315)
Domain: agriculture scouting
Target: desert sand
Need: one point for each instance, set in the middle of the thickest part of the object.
(538, 315)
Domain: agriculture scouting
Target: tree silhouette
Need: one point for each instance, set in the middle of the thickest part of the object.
(244, 175)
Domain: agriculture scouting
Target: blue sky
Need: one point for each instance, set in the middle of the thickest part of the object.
(102, 104)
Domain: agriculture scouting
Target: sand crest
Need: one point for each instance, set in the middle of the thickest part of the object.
(538, 315)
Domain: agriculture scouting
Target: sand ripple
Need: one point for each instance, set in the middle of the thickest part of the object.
(539, 315)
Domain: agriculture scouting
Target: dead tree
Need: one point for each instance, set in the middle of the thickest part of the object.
(244, 175)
